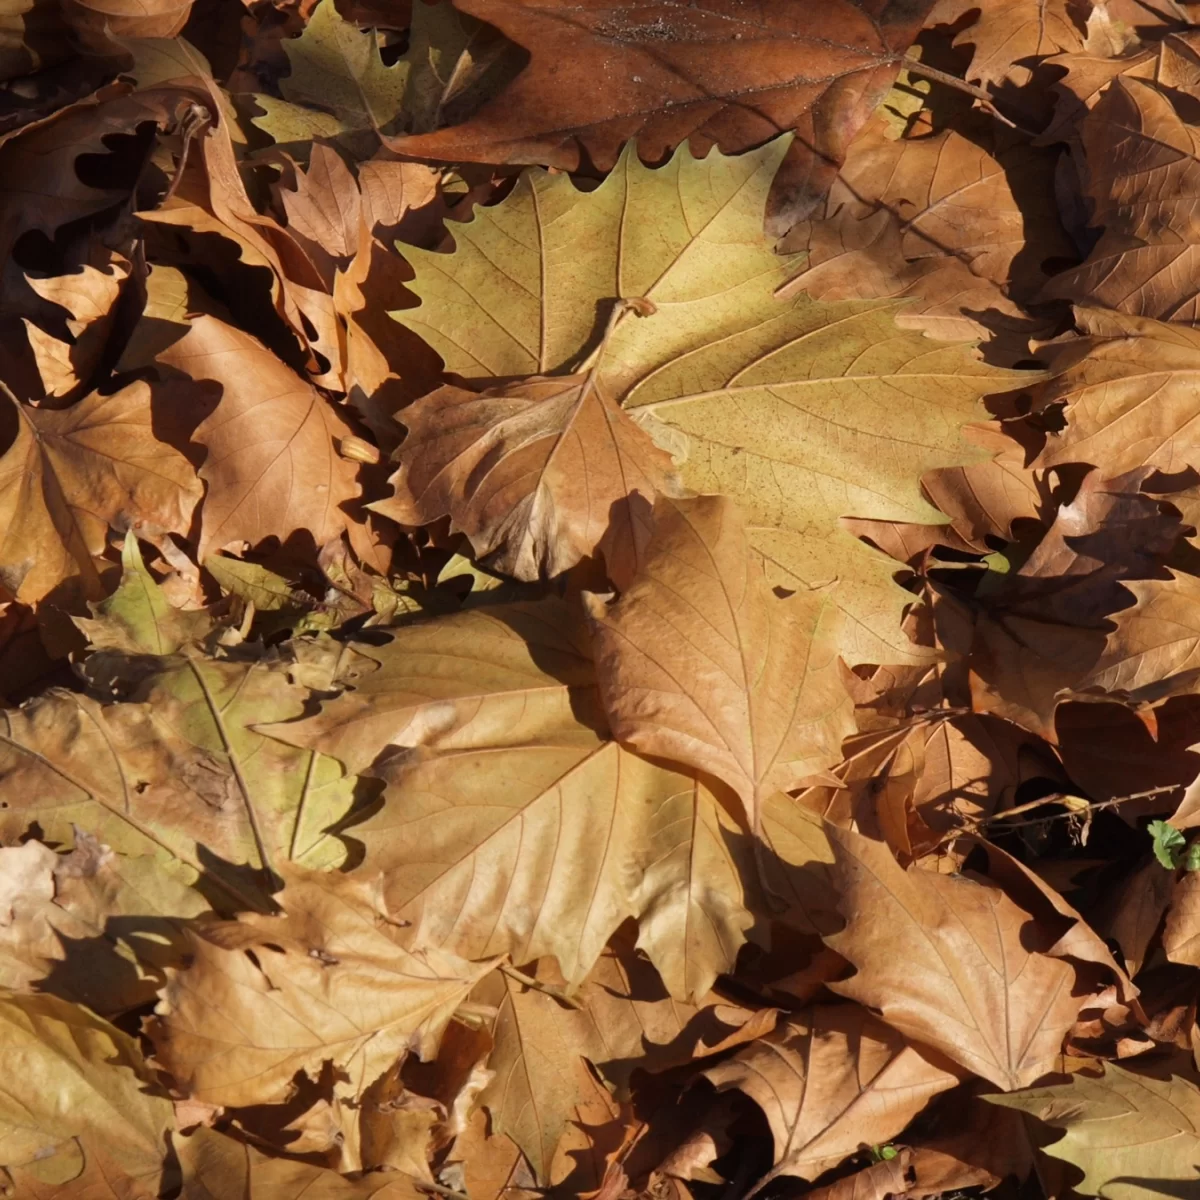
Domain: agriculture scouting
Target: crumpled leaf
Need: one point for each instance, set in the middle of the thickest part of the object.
(538, 475)
(1135, 1136)
(699, 661)
(265, 997)
(272, 467)
(71, 474)
(1006, 36)
(788, 407)
(176, 772)
(1140, 155)
(832, 1080)
(645, 72)
(952, 962)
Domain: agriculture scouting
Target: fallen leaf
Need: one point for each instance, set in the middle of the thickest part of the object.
(788, 407)
(830, 1081)
(662, 78)
(1134, 1136)
(71, 475)
(264, 998)
(70, 1075)
(699, 661)
(952, 962)
(538, 475)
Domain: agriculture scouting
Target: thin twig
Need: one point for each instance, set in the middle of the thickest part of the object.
(1095, 806)
(539, 986)
(916, 67)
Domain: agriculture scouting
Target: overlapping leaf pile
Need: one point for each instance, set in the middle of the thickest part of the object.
(599, 599)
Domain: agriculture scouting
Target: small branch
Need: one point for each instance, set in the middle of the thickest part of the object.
(1095, 806)
(916, 67)
(539, 986)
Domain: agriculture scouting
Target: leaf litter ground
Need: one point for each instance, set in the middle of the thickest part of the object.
(599, 599)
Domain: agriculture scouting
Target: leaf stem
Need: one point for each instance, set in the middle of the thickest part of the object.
(538, 986)
(917, 67)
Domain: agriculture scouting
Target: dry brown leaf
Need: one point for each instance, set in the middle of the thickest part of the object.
(266, 997)
(537, 474)
(1041, 630)
(647, 72)
(1181, 935)
(831, 1081)
(1140, 155)
(699, 661)
(272, 466)
(1005, 36)
(72, 474)
(952, 962)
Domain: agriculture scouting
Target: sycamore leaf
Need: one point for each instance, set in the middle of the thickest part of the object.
(137, 618)
(1135, 1136)
(832, 1080)
(176, 772)
(338, 86)
(1140, 156)
(71, 474)
(1008, 38)
(1127, 387)
(265, 997)
(68, 1074)
(538, 475)
(952, 962)
(713, 72)
(545, 847)
(216, 1167)
(803, 412)
(699, 661)
(92, 926)
(272, 466)
(1181, 935)
(484, 677)
(512, 824)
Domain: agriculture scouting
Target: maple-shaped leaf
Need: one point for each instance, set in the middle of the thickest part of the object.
(70, 1075)
(538, 475)
(803, 412)
(1135, 1136)
(327, 981)
(1127, 386)
(512, 823)
(933, 219)
(701, 662)
(952, 962)
(1010, 38)
(1042, 630)
(714, 73)
(215, 1166)
(72, 473)
(544, 848)
(91, 926)
(272, 466)
(830, 1080)
(338, 86)
(621, 1020)
(1140, 155)
(1171, 62)
(137, 618)
(175, 771)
